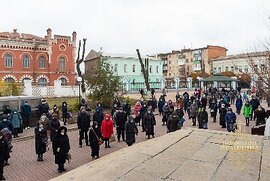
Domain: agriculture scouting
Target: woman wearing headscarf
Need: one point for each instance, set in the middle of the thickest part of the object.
(94, 139)
(40, 141)
(149, 123)
(64, 112)
(136, 111)
(107, 130)
(61, 148)
(131, 130)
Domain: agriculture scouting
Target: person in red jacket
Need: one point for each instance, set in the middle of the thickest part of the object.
(107, 129)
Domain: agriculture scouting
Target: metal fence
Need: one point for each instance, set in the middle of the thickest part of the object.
(136, 86)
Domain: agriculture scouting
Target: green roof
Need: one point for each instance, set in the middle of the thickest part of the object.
(218, 78)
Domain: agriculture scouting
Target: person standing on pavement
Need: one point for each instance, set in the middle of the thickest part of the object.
(83, 123)
(161, 103)
(194, 112)
(26, 113)
(56, 111)
(204, 101)
(222, 114)
(61, 148)
(247, 111)
(238, 104)
(260, 115)
(16, 121)
(41, 141)
(213, 108)
(127, 108)
(203, 119)
(136, 111)
(7, 137)
(254, 102)
(142, 113)
(43, 108)
(64, 112)
(54, 125)
(3, 151)
(98, 116)
(107, 130)
(94, 139)
(149, 123)
(173, 120)
(131, 131)
(166, 114)
(120, 120)
(186, 100)
(230, 119)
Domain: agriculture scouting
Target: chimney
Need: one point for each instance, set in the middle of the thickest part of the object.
(49, 33)
(74, 36)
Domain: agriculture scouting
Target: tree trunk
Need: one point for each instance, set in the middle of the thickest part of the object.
(144, 70)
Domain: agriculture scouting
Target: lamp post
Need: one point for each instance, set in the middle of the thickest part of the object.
(199, 79)
(79, 80)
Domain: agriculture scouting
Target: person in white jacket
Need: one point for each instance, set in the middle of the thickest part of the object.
(267, 126)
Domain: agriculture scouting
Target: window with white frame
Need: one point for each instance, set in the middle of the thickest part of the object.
(157, 69)
(41, 62)
(62, 64)
(26, 61)
(8, 60)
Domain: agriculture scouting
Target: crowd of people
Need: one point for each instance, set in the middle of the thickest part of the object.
(98, 128)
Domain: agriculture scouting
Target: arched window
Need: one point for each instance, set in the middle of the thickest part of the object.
(150, 69)
(125, 68)
(26, 78)
(62, 64)
(157, 69)
(63, 81)
(115, 68)
(133, 68)
(9, 80)
(42, 62)
(8, 60)
(42, 82)
(26, 61)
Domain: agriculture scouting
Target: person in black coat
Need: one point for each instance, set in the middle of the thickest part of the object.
(40, 141)
(142, 114)
(61, 148)
(120, 120)
(127, 108)
(43, 108)
(64, 112)
(260, 115)
(26, 112)
(94, 138)
(203, 119)
(98, 116)
(149, 123)
(172, 123)
(54, 125)
(3, 151)
(5, 123)
(131, 130)
(83, 123)
(213, 108)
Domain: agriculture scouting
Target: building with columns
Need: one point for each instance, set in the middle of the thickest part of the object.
(25, 56)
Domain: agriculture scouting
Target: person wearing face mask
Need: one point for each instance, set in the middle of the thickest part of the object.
(3, 151)
(26, 113)
(149, 123)
(16, 121)
(61, 148)
(7, 137)
(98, 116)
(142, 114)
(83, 123)
(54, 126)
(120, 120)
(260, 115)
(43, 107)
(107, 130)
(131, 130)
(94, 139)
(40, 141)
(166, 114)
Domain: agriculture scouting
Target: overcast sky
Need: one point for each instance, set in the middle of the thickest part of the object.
(153, 26)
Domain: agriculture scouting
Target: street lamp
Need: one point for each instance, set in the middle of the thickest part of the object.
(79, 80)
(199, 79)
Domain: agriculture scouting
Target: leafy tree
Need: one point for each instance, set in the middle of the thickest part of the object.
(102, 83)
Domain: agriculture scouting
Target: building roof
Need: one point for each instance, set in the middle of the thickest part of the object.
(243, 55)
(92, 55)
(15, 35)
(218, 78)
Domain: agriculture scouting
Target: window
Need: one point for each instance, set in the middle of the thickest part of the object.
(150, 69)
(115, 68)
(157, 69)
(227, 69)
(246, 69)
(9, 60)
(133, 68)
(63, 81)
(26, 78)
(215, 70)
(125, 68)
(169, 74)
(263, 69)
(240, 68)
(169, 62)
(219, 69)
(9, 80)
(62, 64)
(26, 62)
(232, 68)
(42, 62)
(42, 82)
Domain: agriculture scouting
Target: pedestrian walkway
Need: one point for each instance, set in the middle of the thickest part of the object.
(189, 154)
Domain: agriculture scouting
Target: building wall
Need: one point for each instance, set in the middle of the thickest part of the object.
(47, 47)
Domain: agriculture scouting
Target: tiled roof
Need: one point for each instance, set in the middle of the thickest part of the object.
(243, 55)
(16, 35)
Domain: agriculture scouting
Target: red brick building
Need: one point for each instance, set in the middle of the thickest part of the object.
(43, 60)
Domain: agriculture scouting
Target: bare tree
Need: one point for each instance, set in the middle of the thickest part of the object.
(78, 62)
(145, 69)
